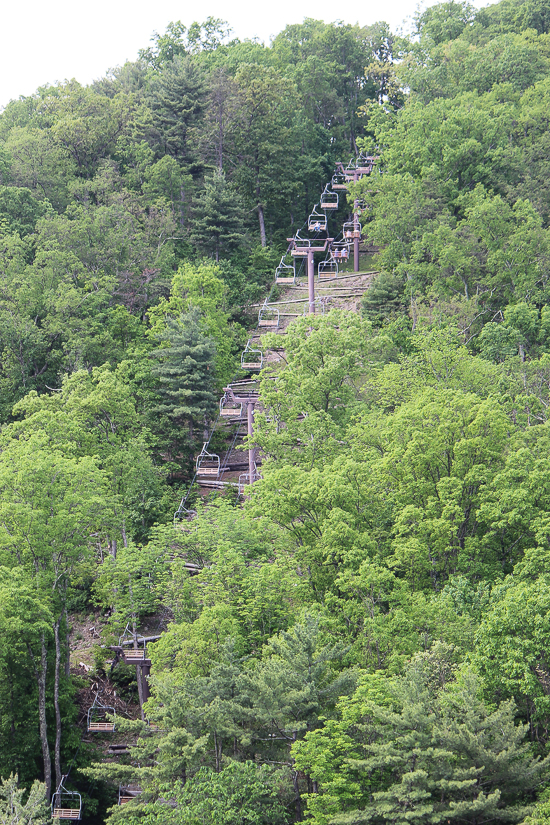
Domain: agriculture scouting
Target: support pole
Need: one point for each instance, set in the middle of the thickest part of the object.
(251, 449)
(356, 227)
(311, 281)
(143, 676)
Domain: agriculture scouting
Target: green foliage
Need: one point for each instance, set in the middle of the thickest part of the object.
(13, 811)
(416, 748)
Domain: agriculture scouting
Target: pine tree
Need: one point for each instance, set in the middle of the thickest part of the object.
(218, 224)
(178, 97)
(186, 372)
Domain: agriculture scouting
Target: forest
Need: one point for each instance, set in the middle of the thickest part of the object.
(362, 635)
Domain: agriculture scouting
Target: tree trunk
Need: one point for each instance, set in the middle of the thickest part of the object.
(40, 675)
(297, 796)
(263, 238)
(139, 670)
(57, 747)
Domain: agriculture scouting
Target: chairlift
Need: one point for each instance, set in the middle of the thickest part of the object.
(182, 512)
(329, 200)
(351, 230)
(97, 717)
(301, 246)
(285, 273)
(319, 302)
(268, 316)
(338, 181)
(327, 268)
(229, 408)
(126, 794)
(207, 464)
(66, 804)
(340, 251)
(244, 480)
(251, 359)
(364, 164)
(317, 221)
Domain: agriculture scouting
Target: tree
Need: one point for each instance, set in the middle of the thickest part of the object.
(428, 750)
(13, 811)
(217, 226)
(185, 372)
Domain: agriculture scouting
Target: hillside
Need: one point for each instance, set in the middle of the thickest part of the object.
(274, 476)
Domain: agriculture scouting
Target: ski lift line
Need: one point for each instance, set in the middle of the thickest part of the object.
(225, 461)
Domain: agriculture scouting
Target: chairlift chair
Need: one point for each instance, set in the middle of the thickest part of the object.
(207, 464)
(327, 268)
(285, 273)
(244, 480)
(351, 231)
(126, 794)
(268, 316)
(364, 164)
(350, 171)
(317, 221)
(340, 251)
(229, 408)
(338, 181)
(66, 804)
(329, 200)
(301, 246)
(182, 512)
(97, 717)
(251, 359)
(319, 302)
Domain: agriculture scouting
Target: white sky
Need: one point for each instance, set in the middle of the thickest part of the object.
(44, 42)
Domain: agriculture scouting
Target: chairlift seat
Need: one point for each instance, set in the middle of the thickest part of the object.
(341, 254)
(107, 727)
(338, 181)
(66, 813)
(327, 268)
(134, 654)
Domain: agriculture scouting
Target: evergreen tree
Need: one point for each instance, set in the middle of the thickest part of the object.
(185, 372)
(177, 102)
(217, 226)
